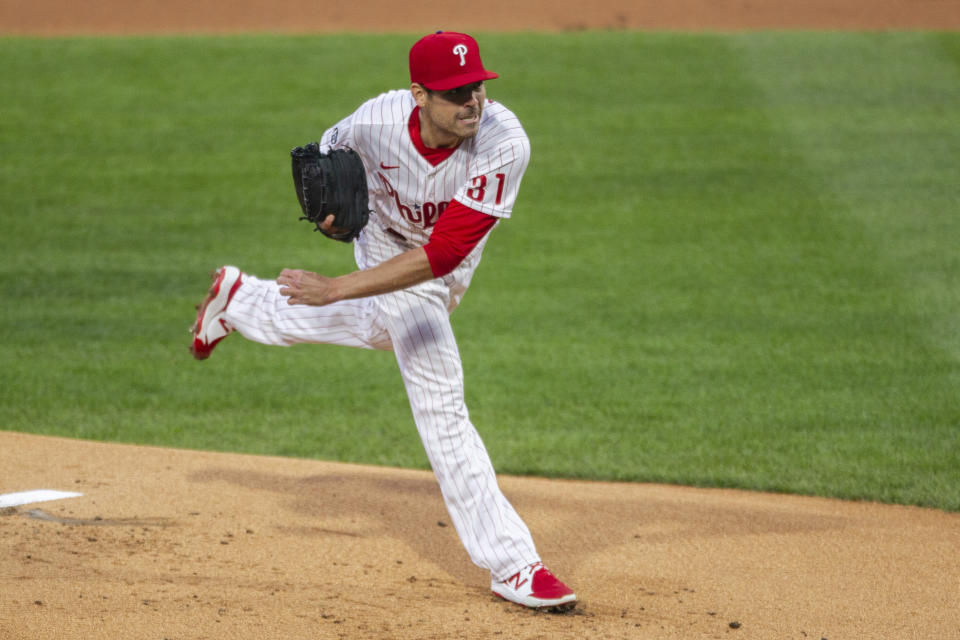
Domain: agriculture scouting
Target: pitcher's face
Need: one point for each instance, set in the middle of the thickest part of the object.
(448, 117)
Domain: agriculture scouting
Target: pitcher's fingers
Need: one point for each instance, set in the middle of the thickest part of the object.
(287, 276)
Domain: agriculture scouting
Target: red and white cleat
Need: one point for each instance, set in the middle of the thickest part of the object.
(211, 327)
(537, 588)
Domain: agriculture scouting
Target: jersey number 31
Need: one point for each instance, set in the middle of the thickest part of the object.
(479, 190)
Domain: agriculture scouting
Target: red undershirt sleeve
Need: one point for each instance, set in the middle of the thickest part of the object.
(456, 233)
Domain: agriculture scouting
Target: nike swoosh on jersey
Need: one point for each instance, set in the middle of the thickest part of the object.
(383, 166)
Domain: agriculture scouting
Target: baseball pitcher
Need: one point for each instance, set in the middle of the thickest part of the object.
(415, 179)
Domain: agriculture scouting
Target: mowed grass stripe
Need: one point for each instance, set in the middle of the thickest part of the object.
(877, 130)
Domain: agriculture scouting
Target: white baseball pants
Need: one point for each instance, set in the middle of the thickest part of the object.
(415, 324)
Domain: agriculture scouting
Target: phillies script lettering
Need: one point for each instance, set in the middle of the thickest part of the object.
(425, 215)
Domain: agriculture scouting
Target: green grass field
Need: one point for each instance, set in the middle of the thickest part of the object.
(734, 261)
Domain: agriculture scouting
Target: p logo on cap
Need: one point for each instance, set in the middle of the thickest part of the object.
(461, 50)
(447, 60)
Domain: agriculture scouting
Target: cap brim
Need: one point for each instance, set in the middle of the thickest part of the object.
(458, 81)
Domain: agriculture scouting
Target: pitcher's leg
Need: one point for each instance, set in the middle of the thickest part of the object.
(260, 313)
(491, 530)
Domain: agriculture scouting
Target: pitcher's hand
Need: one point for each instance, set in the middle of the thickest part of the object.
(306, 287)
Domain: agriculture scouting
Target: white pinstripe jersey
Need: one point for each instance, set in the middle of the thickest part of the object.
(407, 193)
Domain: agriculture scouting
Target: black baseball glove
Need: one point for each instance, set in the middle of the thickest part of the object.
(331, 183)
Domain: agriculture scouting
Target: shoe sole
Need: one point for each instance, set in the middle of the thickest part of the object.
(217, 276)
(561, 607)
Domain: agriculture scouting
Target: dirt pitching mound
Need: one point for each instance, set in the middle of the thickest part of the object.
(182, 544)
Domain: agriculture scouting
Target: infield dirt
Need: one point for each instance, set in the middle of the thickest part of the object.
(53, 17)
(181, 544)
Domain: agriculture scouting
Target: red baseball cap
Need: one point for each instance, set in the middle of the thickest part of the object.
(447, 60)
